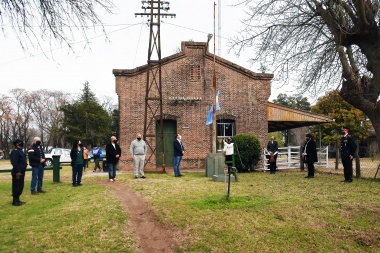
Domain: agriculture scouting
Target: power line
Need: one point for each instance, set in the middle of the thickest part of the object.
(67, 46)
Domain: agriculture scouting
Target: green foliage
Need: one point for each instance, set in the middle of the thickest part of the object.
(297, 102)
(247, 151)
(86, 120)
(344, 114)
(279, 137)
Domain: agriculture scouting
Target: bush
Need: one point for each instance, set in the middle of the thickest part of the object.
(247, 152)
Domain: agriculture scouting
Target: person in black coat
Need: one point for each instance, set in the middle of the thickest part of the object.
(310, 155)
(272, 149)
(18, 160)
(113, 153)
(347, 149)
(36, 157)
(179, 151)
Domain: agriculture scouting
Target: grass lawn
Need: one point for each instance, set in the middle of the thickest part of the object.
(266, 213)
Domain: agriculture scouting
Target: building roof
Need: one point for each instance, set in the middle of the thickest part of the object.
(282, 117)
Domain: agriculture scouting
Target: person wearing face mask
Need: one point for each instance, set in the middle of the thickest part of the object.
(18, 161)
(138, 152)
(113, 153)
(77, 161)
(272, 148)
(179, 151)
(37, 161)
(310, 155)
(347, 149)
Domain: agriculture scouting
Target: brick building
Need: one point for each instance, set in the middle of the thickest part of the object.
(187, 88)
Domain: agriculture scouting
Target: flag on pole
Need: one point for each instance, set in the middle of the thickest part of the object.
(209, 117)
(217, 101)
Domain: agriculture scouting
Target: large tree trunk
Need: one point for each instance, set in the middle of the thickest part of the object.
(361, 93)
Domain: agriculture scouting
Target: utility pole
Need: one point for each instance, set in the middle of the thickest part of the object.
(153, 91)
(214, 98)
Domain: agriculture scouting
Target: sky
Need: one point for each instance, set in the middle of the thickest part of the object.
(124, 47)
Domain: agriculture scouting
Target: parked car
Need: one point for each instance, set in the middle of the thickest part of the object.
(63, 152)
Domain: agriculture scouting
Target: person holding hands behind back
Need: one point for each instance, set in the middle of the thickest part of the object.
(18, 160)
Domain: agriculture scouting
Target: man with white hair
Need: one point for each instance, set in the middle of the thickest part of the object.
(138, 152)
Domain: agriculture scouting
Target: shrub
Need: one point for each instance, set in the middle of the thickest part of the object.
(247, 152)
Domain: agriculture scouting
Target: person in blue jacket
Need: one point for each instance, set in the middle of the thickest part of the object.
(96, 152)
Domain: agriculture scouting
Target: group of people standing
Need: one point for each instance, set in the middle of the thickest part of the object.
(79, 161)
(309, 154)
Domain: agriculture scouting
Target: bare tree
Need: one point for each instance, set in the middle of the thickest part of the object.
(46, 20)
(5, 124)
(46, 110)
(21, 115)
(319, 44)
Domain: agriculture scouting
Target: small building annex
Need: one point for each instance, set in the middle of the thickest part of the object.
(187, 89)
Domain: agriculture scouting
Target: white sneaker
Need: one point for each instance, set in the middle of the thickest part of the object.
(111, 180)
(114, 179)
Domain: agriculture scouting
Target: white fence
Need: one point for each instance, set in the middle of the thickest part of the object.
(289, 158)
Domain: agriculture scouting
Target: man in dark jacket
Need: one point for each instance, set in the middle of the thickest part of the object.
(37, 161)
(179, 151)
(347, 149)
(18, 160)
(113, 153)
(310, 155)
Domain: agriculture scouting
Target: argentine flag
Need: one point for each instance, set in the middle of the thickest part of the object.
(209, 117)
(217, 101)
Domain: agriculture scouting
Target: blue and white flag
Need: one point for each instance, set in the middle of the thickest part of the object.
(209, 117)
(217, 101)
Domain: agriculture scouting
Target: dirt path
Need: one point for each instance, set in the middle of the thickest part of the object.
(151, 235)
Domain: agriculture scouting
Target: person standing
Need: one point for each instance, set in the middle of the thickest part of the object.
(18, 161)
(37, 161)
(272, 149)
(347, 149)
(228, 150)
(138, 152)
(77, 161)
(113, 153)
(96, 152)
(86, 154)
(310, 155)
(179, 151)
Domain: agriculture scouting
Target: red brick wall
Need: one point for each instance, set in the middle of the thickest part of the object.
(189, 74)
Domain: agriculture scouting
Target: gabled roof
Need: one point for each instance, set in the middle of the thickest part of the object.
(191, 45)
(281, 118)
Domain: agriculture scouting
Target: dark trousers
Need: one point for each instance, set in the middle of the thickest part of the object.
(310, 169)
(272, 165)
(85, 164)
(347, 165)
(77, 173)
(17, 186)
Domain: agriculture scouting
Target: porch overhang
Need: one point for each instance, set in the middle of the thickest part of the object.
(281, 118)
